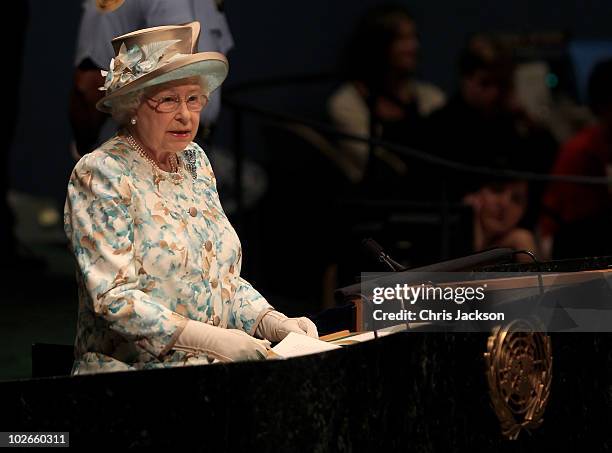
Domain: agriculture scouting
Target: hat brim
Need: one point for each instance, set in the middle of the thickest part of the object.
(211, 66)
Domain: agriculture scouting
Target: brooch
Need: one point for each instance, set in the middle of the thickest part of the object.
(190, 162)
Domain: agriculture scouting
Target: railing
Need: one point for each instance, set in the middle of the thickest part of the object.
(242, 109)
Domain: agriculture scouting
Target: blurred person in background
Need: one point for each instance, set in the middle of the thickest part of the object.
(499, 207)
(382, 97)
(575, 220)
(483, 125)
(100, 24)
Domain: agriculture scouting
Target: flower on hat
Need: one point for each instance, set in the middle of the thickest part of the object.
(131, 64)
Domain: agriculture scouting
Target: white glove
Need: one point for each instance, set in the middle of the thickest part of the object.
(275, 326)
(227, 345)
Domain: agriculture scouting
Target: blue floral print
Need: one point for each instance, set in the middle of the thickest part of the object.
(151, 253)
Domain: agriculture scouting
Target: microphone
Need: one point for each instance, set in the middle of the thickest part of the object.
(466, 263)
(374, 250)
(470, 262)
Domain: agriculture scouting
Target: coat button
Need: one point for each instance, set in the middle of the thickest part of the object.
(214, 283)
(216, 320)
(208, 246)
(193, 211)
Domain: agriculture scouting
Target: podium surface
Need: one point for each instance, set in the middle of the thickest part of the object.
(408, 391)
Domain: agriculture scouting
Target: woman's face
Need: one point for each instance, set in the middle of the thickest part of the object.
(404, 48)
(502, 206)
(168, 132)
(482, 90)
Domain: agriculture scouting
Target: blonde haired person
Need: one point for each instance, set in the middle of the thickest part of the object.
(158, 261)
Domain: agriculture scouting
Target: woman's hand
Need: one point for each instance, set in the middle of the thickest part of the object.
(227, 345)
(275, 326)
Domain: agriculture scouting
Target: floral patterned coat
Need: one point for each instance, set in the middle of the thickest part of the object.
(151, 254)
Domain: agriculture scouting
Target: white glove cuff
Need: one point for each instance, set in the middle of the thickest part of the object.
(269, 325)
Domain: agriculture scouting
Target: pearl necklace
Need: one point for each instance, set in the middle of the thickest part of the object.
(175, 176)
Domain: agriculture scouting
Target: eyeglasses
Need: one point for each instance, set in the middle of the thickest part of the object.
(168, 104)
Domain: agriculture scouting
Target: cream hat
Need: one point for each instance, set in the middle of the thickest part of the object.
(157, 55)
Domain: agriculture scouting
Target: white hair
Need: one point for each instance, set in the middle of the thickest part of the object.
(124, 107)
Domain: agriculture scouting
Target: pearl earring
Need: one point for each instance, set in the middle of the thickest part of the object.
(133, 120)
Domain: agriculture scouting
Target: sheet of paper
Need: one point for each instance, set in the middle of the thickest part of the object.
(295, 345)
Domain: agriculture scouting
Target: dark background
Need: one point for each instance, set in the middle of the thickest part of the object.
(272, 38)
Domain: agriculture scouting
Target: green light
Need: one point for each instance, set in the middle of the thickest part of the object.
(552, 80)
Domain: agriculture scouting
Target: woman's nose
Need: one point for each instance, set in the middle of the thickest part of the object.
(182, 113)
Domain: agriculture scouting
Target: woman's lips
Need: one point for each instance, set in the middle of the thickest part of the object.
(180, 134)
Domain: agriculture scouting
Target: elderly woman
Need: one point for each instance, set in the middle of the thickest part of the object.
(158, 260)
